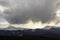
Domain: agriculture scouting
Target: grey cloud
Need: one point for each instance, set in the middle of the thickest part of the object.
(4, 2)
(37, 10)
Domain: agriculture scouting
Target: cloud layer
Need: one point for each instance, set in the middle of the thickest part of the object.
(22, 10)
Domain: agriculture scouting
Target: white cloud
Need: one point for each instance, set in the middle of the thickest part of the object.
(2, 8)
(4, 24)
(31, 25)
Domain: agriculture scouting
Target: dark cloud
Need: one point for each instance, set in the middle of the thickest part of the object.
(37, 10)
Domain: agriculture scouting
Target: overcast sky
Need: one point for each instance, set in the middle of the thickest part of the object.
(22, 10)
(19, 11)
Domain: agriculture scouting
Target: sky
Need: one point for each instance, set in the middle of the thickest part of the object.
(30, 13)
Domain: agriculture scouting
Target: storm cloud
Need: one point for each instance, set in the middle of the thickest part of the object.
(37, 10)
